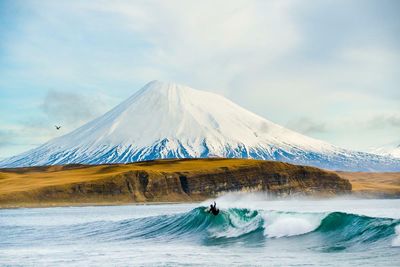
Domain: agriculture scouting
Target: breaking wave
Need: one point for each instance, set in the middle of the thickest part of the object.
(329, 230)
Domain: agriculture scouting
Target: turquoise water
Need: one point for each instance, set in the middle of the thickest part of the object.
(250, 230)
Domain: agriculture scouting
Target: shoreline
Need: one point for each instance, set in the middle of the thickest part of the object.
(99, 204)
(353, 195)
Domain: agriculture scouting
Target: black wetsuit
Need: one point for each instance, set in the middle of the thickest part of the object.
(213, 209)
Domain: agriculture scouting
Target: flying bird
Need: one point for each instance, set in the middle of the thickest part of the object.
(57, 127)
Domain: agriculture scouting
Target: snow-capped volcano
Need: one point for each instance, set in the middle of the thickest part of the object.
(167, 120)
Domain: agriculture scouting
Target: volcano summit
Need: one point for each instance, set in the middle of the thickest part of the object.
(167, 120)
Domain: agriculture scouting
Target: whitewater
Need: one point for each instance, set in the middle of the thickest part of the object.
(251, 230)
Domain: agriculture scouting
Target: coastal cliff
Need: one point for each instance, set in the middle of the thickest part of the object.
(161, 181)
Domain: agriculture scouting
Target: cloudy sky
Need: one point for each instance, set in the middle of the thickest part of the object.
(328, 69)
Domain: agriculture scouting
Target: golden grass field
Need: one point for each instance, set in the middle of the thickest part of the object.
(27, 187)
(27, 179)
(374, 183)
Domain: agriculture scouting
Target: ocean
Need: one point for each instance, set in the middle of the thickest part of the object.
(251, 230)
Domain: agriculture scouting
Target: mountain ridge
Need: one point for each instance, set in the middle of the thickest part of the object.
(391, 149)
(168, 120)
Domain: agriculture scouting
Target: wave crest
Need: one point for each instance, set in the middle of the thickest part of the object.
(335, 229)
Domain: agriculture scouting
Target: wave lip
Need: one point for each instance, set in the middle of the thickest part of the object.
(286, 224)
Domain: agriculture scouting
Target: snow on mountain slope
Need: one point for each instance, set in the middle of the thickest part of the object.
(392, 150)
(167, 120)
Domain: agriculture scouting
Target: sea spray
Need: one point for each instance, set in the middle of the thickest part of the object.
(281, 224)
(396, 240)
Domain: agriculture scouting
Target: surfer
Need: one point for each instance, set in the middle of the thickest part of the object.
(213, 209)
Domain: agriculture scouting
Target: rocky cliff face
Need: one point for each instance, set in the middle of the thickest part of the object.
(153, 182)
(294, 180)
